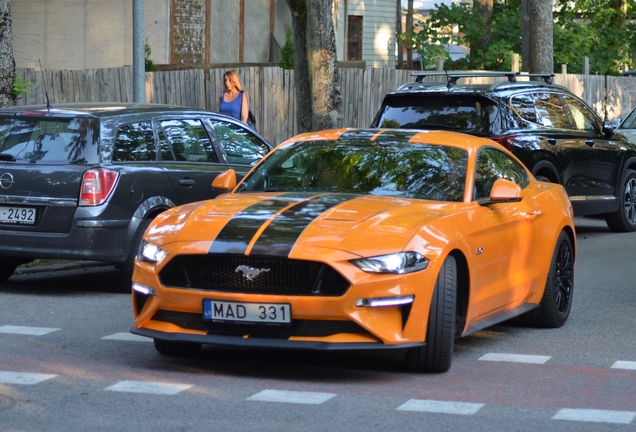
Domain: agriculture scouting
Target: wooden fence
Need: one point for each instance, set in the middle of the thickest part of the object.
(271, 91)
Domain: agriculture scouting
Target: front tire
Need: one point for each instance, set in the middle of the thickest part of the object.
(624, 218)
(436, 355)
(176, 348)
(556, 302)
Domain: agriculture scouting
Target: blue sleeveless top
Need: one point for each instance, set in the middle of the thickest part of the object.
(233, 109)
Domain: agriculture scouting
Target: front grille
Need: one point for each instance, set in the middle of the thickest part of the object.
(217, 272)
(307, 328)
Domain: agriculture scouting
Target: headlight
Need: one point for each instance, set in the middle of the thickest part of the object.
(150, 252)
(398, 263)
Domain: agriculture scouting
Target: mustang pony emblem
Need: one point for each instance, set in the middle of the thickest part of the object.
(249, 273)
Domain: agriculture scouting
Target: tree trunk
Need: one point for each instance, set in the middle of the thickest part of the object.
(302, 84)
(525, 35)
(541, 55)
(325, 77)
(483, 10)
(408, 44)
(7, 63)
(398, 35)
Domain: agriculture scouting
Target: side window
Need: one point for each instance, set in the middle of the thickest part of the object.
(581, 116)
(493, 164)
(550, 111)
(135, 142)
(523, 105)
(240, 146)
(189, 141)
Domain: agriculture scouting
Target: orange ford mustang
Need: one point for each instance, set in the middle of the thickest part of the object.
(360, 239)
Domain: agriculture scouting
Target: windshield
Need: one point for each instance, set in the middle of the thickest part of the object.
(432, 172)
(47, 140)
(449, 112)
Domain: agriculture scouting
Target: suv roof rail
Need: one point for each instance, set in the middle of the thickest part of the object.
(453, 76)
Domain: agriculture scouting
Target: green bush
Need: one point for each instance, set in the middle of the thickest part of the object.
(287, 52)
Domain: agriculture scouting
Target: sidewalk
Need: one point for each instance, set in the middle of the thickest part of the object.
(57, 267)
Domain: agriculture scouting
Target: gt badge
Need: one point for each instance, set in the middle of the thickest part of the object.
(249, 273)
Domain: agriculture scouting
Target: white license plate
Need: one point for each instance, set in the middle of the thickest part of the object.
(246, 312)
(17, 215)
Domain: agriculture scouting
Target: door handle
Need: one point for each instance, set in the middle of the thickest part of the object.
(552, 141)
(590, 143)
(186, 182)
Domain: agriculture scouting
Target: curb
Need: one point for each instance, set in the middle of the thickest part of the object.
(59, 267)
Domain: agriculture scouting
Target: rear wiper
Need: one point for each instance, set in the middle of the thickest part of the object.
(7, 157)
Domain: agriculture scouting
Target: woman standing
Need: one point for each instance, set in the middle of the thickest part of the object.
(233, 101)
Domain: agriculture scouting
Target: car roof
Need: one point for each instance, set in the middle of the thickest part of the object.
(379, 136)
(97, 109)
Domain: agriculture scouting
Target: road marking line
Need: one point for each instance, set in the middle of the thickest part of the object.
(598, 416)
(23, 377)
(515, 358)
(298, 397)
(149, 387)
(128, 337)
(444, 407)
(630, 365)
(32, 331)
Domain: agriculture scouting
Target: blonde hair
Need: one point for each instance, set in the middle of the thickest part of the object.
(234, 78)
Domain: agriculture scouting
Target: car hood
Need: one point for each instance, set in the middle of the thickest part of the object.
(276, 224)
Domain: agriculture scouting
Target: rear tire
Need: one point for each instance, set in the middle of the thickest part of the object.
(176, 348)
(7, 268)
(624, 218)
(556, 302)
(126, 268)
(436, 355)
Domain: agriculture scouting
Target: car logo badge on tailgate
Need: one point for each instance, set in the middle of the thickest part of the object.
(249, 273)
(6, 180)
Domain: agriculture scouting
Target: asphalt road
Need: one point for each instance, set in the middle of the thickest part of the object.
(68, 362)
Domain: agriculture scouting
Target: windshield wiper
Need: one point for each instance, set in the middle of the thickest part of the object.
(7, 157)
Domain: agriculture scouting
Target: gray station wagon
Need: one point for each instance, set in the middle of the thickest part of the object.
(83, 181)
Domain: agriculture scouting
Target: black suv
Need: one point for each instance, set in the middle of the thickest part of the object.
(83, 181)
(553, 132)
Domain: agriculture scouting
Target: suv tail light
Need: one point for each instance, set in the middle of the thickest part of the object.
(97, 184)
(507, 142)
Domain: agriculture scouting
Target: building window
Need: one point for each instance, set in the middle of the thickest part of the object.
(354, 38)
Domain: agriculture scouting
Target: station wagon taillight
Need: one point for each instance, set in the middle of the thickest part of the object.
(97, 184)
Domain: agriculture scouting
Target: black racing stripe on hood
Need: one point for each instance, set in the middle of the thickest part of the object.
(282, 233)
(241, 229)
(395, 135)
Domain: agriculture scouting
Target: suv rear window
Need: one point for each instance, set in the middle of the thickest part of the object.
(49, 140)
(450, 112)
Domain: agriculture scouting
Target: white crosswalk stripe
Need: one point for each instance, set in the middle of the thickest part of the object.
(29, 331)
(127, 337)
(515, 358)
(299, 397)
(443, 407)
(23, 378)
(596, 416)
(148, 387)
(629, 365)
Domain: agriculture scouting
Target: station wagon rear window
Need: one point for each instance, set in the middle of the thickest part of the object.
(39, 140)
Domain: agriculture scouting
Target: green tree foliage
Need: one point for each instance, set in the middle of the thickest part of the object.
(287, 52)
(599, 29)
(602, 30)
(149, 64)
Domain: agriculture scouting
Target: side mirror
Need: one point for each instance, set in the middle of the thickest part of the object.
(502, 191)
(608, 129)
(225, 181)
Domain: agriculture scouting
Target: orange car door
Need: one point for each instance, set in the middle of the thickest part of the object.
(504, 239)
